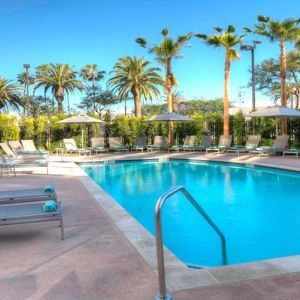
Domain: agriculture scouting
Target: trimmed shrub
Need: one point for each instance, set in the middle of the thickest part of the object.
(9, 128)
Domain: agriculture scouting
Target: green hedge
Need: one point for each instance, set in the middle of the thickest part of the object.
(9, 129)
(128, 128)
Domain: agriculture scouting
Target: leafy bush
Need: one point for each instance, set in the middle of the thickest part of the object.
(27, 128)
(239, 129)
(9, 129)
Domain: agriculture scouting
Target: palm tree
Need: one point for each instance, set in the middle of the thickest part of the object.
(26, 82)
(177, 97)
(293, 67)
(9, 94)
(22, 79)
(284, 31)
(60, 78)
(41, 71)
(91, 73)
(229, 40)
(167, 50)
(133, 75)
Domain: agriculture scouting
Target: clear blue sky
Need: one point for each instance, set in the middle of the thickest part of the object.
(100, 31)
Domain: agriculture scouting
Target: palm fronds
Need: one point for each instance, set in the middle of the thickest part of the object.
(9, 94)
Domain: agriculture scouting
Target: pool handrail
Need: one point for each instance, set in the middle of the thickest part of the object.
(162, 294)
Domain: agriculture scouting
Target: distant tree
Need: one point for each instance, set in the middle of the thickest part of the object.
(97, 100)
(188, 107)
(268, 75)
(228, 40)
(60, 78)
(21, 78)
(177, 97)
(38, 106)
(165, 52)
(92, 74)
(133, 75)
(154, 109)
(202, 106)
(282, 31)
(10, 94)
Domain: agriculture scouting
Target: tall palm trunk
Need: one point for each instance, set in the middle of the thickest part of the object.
(226, 94)
(283, 83)
(94, 89)
(59, 96)
(137, 103)
(168, 87)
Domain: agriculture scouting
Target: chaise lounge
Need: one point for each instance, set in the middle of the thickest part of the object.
(115, 144)
(140, 144)
(251, 144)
(280, 144)
(28, 195)
(98, 145)
(71, 147)
(206, 141)
(188, 144)
(28, 206)
(158, 143)
(24, 158)
(224, 144)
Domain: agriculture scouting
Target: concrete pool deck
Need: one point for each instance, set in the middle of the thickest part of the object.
(96, 261)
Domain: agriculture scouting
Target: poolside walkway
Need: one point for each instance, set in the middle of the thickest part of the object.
(96, 261)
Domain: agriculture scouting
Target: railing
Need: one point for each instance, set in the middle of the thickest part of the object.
(163, 295)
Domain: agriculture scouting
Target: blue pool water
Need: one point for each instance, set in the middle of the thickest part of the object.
(258, 209)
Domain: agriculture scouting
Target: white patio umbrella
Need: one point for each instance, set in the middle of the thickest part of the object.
(278, 112)
(81, 119)
(171, 116)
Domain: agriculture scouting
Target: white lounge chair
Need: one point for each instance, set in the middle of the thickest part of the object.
(28, 195)
(206, 141)
(16, 146)
(13, 214)
(140, 144)
(98, 145)
(8, 152)
(280, 144)
(71, 147)
(224, 143)
(188, 144)
(115, 144)
(251, 144)
(158, 143)
(25, 158)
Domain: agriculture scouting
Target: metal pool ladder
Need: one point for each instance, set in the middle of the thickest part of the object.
(162, 294)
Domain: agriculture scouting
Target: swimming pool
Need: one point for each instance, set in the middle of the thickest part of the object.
(257, 209)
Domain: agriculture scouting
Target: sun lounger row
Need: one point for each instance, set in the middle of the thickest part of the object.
(160, 142)
(251, 147)
(224, 145)
(22, 153)
(30, 206)
(26, 152)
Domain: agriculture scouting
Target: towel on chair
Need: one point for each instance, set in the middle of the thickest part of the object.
(50, 206)
(49, 189)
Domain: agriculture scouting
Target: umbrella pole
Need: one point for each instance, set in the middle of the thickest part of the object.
(276, 127)
(81, 137)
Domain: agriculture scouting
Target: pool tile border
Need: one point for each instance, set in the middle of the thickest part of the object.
(178, 275)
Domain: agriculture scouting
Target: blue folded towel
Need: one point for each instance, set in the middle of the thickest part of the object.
(50, 206)
(49, 189)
